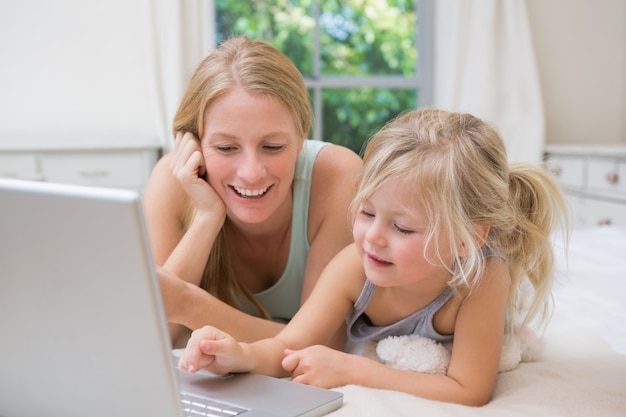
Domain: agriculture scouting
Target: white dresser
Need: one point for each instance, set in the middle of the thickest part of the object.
(105, 161)
(594, 180)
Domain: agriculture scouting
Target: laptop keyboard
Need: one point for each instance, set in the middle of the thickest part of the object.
(194, 406)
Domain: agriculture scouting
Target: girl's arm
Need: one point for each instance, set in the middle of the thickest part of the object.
(332, 189)
(471, 374)
(478, 336)
(315, 323)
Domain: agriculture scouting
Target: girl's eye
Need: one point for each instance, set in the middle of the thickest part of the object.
(403, 230)
(367, 213)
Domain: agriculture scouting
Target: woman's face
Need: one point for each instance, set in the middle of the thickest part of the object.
(250, 145)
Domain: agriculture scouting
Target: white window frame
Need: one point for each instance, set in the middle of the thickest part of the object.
(422, 81)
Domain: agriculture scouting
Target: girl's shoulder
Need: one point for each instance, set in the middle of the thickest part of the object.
(347, 273)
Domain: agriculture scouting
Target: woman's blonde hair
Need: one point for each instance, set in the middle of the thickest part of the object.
(261, 69)
(455, 165)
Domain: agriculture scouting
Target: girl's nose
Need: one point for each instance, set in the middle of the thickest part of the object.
(375, 234)
(251, 168)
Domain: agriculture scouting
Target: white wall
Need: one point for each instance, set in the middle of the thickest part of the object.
(76, 67)
(581, 54)
(580, 48)
(82, 67)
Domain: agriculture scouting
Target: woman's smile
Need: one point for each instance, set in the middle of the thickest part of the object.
(250, 192)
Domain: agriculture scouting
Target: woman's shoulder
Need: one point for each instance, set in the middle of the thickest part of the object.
(334, 179)
(163, 165)
(333, 186)
(335, 162)
(161, 175)
(164, 188)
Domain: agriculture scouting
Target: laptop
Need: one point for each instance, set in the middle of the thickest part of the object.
(82, 325)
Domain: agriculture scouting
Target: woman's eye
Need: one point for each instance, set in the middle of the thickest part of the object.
(225, 148)
(274, 148)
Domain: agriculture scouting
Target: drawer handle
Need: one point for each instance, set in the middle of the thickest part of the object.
(605, 221)
(16, 175)
(612, 177)
(94, 174)
(555, 170)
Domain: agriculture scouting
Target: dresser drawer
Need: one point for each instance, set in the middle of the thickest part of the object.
(19, 165)
(567, 171)
(102, 168)
(607, 176)
(588, 212)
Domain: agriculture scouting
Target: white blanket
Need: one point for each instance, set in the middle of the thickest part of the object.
(582, 370)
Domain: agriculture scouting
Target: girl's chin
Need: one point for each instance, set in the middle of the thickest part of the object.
(377, 277)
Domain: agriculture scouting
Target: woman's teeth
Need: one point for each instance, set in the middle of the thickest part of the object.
(250, 193)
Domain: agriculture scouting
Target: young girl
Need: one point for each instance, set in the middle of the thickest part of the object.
(445, 231)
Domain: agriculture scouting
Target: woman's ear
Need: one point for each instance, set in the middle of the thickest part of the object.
(481, 232)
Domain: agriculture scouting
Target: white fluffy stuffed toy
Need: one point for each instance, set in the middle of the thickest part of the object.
(419, 354)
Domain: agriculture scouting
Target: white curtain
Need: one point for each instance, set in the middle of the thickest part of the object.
(487, 67)
(180, 36)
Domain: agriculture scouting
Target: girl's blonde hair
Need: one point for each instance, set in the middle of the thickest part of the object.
(455, 165)
(260, 69)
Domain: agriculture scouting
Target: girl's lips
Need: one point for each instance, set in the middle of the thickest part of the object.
(377, 261)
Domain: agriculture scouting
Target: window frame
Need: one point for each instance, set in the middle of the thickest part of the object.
(422, 81)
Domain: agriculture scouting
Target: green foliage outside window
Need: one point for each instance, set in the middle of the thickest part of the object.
(358, 38)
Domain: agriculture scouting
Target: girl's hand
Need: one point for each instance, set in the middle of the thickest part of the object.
(318, 365)
(212, 350)
(189, 168)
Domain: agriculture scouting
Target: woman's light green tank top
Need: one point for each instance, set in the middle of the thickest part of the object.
(282, 300)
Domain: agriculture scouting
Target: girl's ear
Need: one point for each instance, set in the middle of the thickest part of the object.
(482, 231)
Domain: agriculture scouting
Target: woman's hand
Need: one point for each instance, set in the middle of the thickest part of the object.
(318, 365)
(212, 350)
(189, 168)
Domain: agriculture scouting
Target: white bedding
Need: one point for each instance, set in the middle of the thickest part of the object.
(582, 370)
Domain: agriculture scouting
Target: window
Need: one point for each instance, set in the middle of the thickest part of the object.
(364, 61)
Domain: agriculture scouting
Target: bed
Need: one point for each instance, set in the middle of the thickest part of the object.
(581, 370)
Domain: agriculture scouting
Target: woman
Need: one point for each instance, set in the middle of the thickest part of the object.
(245, 213)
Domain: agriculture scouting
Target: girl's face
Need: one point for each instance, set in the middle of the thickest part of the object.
(250, 145)
(391, 238)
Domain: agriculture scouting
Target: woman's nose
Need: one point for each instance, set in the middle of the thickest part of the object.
(251, 168)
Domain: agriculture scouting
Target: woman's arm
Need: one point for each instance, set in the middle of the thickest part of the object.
(333, 186)
(189, 305)
(184, 252)
(176, 185)
(165, 206)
